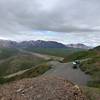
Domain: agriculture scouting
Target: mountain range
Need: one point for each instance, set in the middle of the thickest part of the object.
(39, 44)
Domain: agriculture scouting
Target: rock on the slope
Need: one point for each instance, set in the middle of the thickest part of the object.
(41, 88)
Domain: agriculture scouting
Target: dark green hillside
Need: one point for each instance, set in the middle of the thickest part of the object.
(33, 72)
(80, 55)
(17, 63)
(97, 48)
(61, 52)
(91, 93)
(92, 67)
(83, 54)
(7, 52)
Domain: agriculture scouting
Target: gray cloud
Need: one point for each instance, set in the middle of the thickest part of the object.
(69, 16)
(53, 15)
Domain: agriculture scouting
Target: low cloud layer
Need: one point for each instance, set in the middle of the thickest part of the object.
(18, 17)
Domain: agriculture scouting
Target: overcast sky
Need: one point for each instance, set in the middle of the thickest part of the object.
(66, 21)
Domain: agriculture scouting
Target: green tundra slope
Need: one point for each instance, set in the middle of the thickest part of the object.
(32, 72)
(91, 67)
(61, 52)
(7, 52)
(17, 63)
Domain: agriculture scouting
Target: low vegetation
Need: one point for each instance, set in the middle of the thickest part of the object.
(32, 72)
(7, 52)
(91, 93)
(92, 67)
(61, 52)
(18, 63)
(80, 55)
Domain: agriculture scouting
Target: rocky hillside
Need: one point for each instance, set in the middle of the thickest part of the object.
(41, 88)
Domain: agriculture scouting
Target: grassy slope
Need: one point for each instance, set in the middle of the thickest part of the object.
(13, 60)
(91, 93)
(17, 63)
(62, 52)
(33, 72)
(92, 67)
(80, 55)
(7, 52)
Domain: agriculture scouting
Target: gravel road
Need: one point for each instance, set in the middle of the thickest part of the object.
(66, 71)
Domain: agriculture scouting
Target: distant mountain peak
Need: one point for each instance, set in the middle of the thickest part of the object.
(79, 45)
